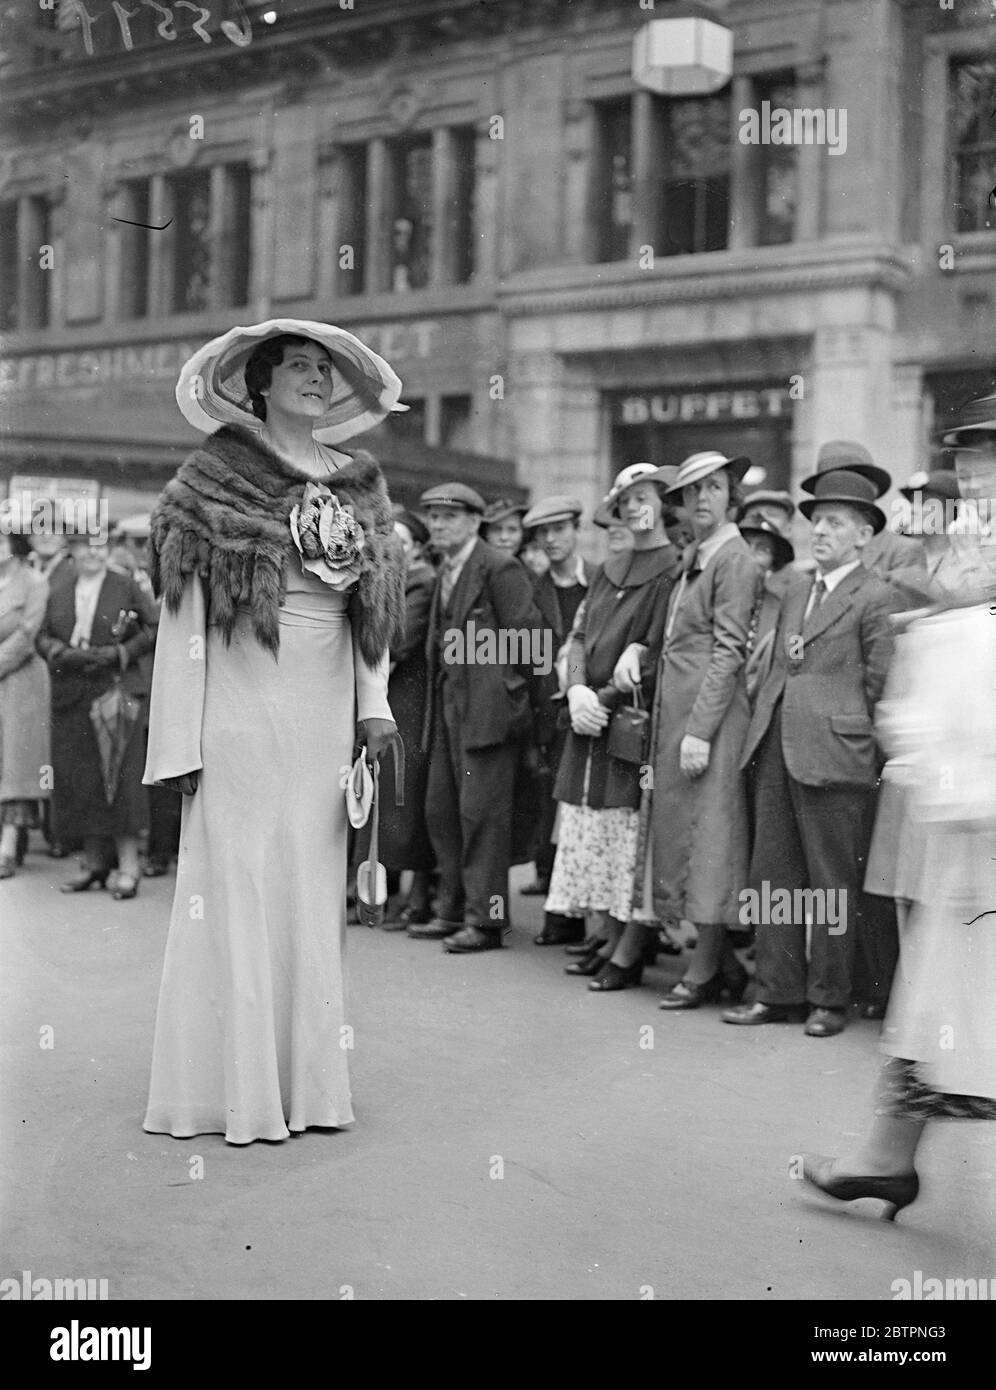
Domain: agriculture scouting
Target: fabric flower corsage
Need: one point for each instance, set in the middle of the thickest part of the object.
(328, 537)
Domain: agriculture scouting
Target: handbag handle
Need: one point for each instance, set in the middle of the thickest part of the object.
(375, 816)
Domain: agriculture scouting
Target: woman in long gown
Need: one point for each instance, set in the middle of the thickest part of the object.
(278, 610)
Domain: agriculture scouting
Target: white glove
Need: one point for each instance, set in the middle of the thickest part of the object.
(588, 715)
(626, 676)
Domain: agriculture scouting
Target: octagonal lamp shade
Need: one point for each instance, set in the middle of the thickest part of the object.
(683, 57)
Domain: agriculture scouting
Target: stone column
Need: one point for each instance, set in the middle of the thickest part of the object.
(115, 205)
(809, 93)
(380, 217)
(647, 172)
(443, 195)
(486, 227)
(746, 191)
(161, 247)
(579, 166)
(261, 232)
(850, 389)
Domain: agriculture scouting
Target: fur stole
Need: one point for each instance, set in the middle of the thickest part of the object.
(225, 517)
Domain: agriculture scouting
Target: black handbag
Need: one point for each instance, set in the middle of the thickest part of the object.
(629, 732)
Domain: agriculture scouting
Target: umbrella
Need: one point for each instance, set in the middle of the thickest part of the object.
(114, 716)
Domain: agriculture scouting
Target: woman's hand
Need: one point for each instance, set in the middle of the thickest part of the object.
(377, 735)
(187, 784)
(626, 676)
(588, 715)
(694, 755)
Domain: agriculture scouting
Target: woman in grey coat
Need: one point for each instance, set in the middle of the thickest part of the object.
(692, 851)
(24, 698)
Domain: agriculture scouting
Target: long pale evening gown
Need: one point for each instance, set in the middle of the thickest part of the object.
(251, 1035)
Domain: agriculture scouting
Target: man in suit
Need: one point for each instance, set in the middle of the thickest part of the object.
(552, 523)
(481, 650)
(816, 762)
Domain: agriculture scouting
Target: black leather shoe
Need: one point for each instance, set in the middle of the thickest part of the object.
(155, 868)
(537, 889)
(826, 1023)
(590, 964)
(470, 940)
(559, 930)
(435, 930)
(84, 879)
(874, 1010)
(752, 1014)
(896, 1191)
(616, 977)
(685, 995)
(585, 947)
(126, 887)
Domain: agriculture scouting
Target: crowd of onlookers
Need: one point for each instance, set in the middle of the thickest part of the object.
(681, 739)
(77, 632)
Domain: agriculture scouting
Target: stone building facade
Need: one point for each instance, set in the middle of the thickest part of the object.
(564, 268)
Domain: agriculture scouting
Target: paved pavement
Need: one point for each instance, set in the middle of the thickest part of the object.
(516, 1137)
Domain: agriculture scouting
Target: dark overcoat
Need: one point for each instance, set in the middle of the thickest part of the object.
(492, 600)
(626, 603)
(80, 805)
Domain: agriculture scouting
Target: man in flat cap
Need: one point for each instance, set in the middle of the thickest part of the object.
(553, 523)
(816, 764)
(480, 675)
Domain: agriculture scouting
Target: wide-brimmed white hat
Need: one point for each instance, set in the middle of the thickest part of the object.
(212, 391)
(699, 466)
(631, 475)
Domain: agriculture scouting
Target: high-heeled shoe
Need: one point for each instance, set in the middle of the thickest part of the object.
(126, 887)
(590, 964)
(585, 947)
(83, 880)
(617, 977)
(685, 995)
(897, 1190)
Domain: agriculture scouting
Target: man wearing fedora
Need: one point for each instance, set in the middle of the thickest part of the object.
(814, 756)
(477, 713)
(553, 524)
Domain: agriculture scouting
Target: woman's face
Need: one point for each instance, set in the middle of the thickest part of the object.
(707, 502)
(640, 507)
(619, 537)
(301, 385)
(764, 552)
(506, 534)
(90, 559)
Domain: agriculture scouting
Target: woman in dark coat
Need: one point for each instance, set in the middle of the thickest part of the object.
(94, 632)
(404, 841)
(599, 795)
(694, 820)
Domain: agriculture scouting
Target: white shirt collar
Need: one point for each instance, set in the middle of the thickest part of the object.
(455, 563)
(707, 548)
(834, 577)
(578, 577)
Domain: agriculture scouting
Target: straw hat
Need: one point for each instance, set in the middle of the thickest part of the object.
(212, 391)
(699, 466)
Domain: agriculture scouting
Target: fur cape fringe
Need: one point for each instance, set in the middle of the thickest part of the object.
(226, 517)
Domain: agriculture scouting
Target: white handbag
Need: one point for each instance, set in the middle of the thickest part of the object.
(359, 792)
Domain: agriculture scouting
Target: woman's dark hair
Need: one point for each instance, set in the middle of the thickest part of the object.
(736, 489)
(262, 360)
(20, 546)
